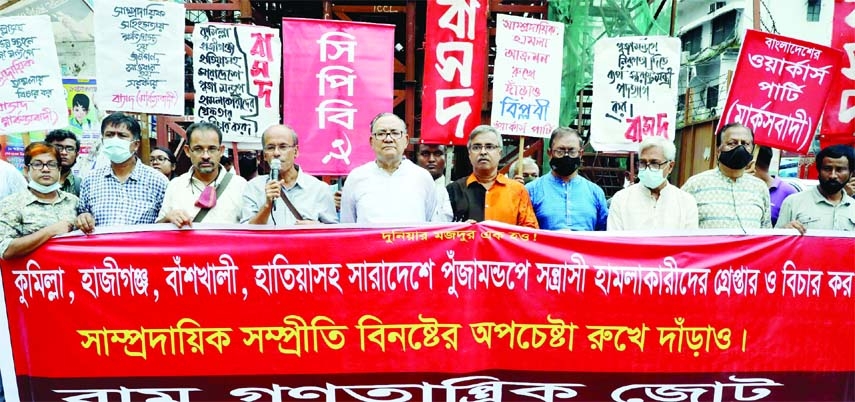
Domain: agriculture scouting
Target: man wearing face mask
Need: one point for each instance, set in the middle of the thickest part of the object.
(728, 197)
(127, 192)
(530, 170)
(826, 206)
(564, 200)
(32, 216)
(653, 203)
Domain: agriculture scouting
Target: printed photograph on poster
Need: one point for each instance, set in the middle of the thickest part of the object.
(635, 79)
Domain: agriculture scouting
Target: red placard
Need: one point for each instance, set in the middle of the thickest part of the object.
(337, 76)
(779, 87)
(455, 70)
(838, 121)
(227, 314)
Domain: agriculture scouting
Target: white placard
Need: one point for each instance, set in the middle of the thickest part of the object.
(139, 56)
(236, 74)
(527, 76)
(635, 91)
(31, 93)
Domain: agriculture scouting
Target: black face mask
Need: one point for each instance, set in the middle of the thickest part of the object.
(831, 187)
(737, 158)
(565, 166)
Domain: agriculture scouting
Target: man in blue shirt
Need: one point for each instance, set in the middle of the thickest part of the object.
(563, 199)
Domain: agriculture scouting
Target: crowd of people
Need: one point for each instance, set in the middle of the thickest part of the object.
(48, 199)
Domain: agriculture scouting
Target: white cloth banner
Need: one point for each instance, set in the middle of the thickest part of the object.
(139, 56)
(31, 93)
(527, 76)
(236, 74)
(635, 91)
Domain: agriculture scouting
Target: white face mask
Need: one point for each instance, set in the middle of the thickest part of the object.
(42, 188)
(650, 178)
(117, 149)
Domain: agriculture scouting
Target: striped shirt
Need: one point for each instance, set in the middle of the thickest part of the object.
(134, 202)
(727, 204)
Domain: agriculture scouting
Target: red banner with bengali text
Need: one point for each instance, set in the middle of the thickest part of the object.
(779, 88)
(336, 75)
(450, 312)
(455, 70)
(838, 121)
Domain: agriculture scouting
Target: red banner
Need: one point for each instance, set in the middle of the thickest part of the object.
(436, 313)
(838, 121)
(455, 70)
(779, 87)
(351, 69)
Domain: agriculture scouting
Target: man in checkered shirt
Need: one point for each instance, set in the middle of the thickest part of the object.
(127, 192)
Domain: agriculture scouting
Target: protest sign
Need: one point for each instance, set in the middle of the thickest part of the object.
(838, 120)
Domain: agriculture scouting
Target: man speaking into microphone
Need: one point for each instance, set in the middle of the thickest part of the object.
(288, 196)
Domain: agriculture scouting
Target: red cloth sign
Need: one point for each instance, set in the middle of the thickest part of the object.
(838, 121)
(778, 89)
(455, 70)
(439, 310)
(351, 69)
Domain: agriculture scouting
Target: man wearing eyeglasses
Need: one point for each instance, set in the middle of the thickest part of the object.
(263, 202)
(485, 194)
(530, 170)
(564, 200)
(653, 203)
(207, 192)
(727, 196)
(68, 146)
(127, 192)
(390, 189)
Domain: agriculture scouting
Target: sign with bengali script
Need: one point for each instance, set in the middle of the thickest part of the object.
(31, 94)
(779, 88)
(139, 56)
(236, 76)
(448, 312)
(337, 75)
(838, 121)
(635, 79)
(526, 96)
(455, 70)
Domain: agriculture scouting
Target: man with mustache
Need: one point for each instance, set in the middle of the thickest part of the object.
(207, 186)
(431, 157)
(485, 194)
(69, 147)
(825, 206)
(563, 199)
(728, 197)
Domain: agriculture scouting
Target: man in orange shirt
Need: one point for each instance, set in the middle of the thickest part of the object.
(485, 194)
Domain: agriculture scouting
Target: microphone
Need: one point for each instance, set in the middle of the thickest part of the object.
(275, 165)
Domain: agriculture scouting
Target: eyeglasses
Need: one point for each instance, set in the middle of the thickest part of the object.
(160, 159)
(202, 151)
(281, 147)
(525, 175)
(651, 165)
(483, 147)
(560, 152)
(52, 165)
(381, 135)
(67, 148)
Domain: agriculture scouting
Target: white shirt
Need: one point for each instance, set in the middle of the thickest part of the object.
(373, 195)
(183, 191)
(635, 208)
(443, 208)
(310, 197)
(11, 179)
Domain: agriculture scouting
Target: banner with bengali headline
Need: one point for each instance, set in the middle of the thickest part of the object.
(780, 85)
(451, 312)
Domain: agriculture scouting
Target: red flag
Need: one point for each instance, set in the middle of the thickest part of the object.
(838, 121)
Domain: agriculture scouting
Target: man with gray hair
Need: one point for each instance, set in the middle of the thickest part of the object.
(653, 203)
(291, 198)
(391, 188)
(485, 194)
(530, 170)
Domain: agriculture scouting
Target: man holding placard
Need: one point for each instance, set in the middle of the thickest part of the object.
(564, 200)
(728, 197)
